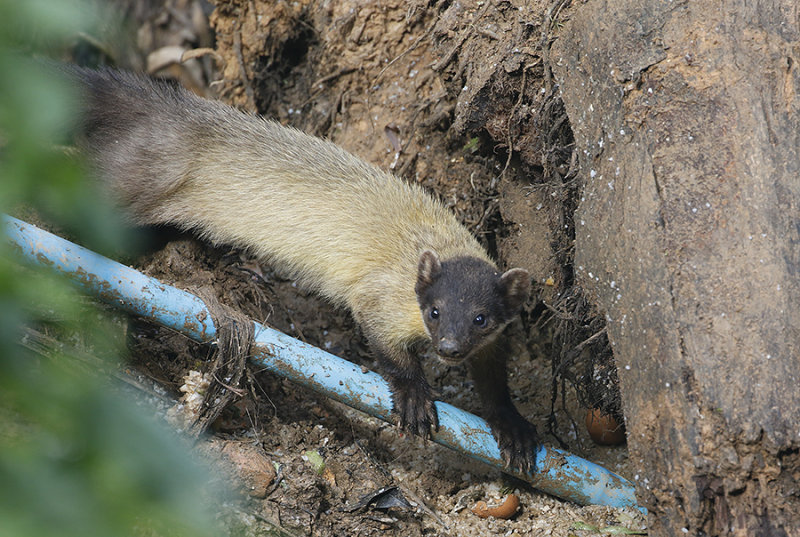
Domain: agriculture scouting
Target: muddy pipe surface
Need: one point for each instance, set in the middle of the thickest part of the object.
(557, 472)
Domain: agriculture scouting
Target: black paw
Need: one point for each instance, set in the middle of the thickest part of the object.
(413, 406)
(517, 439)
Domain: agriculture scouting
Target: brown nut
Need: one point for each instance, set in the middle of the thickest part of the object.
(504, 510)
(604, 429)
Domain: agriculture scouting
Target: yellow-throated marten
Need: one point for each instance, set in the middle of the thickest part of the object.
(395, 256)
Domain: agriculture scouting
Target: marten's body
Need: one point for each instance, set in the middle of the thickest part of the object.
(358, 236)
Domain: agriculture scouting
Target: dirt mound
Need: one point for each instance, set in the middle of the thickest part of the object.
(438, 95)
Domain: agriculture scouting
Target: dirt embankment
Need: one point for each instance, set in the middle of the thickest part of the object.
(437, 94)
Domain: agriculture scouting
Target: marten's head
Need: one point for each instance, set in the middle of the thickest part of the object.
(465, 302)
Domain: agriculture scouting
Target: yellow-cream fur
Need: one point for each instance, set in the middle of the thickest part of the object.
(340, 226)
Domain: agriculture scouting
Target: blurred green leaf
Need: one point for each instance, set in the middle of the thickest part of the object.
(76, 458)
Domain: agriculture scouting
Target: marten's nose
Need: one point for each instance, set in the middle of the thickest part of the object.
(448, 348)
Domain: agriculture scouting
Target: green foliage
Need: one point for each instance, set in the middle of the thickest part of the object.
(472, 145)
(76, 458)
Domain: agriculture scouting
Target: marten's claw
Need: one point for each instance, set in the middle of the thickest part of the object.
(517, 439)
(414, 408)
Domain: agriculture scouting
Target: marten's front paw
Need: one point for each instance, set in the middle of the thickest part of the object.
(413, 406)
(516, 437)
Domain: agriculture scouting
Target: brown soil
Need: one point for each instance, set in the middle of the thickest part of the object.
(436, 94)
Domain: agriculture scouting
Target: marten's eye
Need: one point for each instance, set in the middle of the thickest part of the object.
(434, 313)
(480, 320)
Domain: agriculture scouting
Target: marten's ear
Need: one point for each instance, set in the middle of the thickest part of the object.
(427, 271)
(515, 284)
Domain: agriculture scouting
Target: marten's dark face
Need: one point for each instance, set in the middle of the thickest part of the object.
(465, 302)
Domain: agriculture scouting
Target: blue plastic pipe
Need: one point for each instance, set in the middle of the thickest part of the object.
(557, 472)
